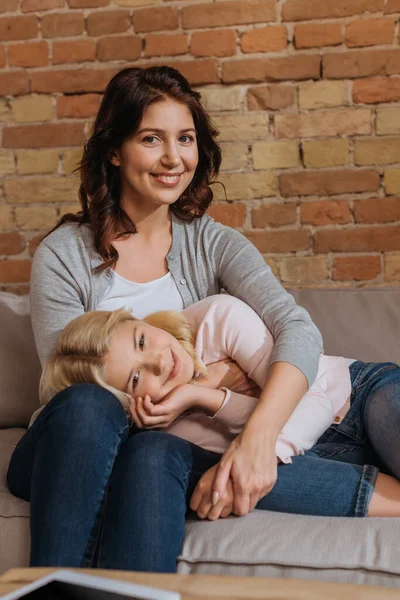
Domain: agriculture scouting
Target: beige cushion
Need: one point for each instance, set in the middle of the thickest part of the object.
(356, 323)
(19, 363)
(14, 512)
(274, 544)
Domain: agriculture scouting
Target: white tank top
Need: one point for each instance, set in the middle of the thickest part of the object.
(142, 298)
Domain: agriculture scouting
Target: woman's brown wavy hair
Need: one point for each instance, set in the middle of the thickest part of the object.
(129, 93)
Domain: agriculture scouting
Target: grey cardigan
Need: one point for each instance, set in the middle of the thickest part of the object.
(204, 258)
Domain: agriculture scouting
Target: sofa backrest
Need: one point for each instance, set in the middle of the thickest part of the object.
(19, 362)
(356, 323)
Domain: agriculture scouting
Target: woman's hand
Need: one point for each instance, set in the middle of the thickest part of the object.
(227, 373)
(200, 501)
(250, 463)
(147, 415)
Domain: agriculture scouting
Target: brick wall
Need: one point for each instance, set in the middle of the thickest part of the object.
(306, 94)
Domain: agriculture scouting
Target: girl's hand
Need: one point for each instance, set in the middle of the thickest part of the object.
(251, 464)
(200, 501)
(227, 373)
(147, 415)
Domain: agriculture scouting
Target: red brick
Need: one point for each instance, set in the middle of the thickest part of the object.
(357, 239)
(304, 10)
(370, 32)
(155, 19)
(374, 91)
(34, 243)
(392, 6)
(273, 215)
(273, 69)
(289, 240)
(8, 5)
(321, 183)
(273, 97)
(38, 5)
(14, 271)
(198, 72)
(14, 83)
(325, 212)
(110, 21)
(361, 63)
(18, 28)
(11, 243)
(87, 3)
(2, 56)
(62, 24)
(165, 45)
(43, 136)
(358, 268)
(213, 43)
(73, 51)
(218, 14)
(377, 210)
(85, 105)
(316, 35)
(265, 39)
(123, 47)
(71, 81)
(232, 215)
(28, 54)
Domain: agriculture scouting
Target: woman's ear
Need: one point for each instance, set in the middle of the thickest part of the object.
(115, 158)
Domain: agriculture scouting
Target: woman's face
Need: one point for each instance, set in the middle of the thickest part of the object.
(158, 162)
(143, 359)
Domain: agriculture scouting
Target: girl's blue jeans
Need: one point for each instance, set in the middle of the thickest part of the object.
(104, 496)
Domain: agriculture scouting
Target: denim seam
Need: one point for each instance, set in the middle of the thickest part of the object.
(364, 383)
(365, 490)
(91, 544)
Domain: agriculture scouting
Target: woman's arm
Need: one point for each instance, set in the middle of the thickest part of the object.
(55, 297)
(242, 272)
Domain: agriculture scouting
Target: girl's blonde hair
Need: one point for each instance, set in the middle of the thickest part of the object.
(81, 347)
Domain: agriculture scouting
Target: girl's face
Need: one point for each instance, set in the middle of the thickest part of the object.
(143, 359)
(158, 162)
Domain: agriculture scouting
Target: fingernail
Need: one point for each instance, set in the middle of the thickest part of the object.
(215, 498)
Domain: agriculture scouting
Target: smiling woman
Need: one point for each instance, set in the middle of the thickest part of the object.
(142, 240)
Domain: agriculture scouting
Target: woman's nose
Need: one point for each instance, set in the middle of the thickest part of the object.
(171, 156)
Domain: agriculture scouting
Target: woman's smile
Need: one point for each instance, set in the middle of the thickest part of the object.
(158, 162)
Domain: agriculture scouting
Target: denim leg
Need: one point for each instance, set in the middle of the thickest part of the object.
(151, 485)
(316, 486)
(377, 390)
(62, 465)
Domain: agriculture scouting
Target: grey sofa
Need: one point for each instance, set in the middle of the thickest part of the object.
(360, 323)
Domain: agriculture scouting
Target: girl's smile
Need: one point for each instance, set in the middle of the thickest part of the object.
(145, 360)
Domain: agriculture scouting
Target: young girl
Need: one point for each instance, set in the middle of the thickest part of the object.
(153, 360)
(149, 365)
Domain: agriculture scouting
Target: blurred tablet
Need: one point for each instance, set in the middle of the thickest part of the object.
(71, 585)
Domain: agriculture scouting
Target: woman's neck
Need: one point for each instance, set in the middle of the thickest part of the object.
(150, 220)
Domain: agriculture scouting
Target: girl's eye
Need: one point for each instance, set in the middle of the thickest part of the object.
(141, 342)
(135, 380)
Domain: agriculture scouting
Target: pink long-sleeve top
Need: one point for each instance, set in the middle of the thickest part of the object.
(226, 327)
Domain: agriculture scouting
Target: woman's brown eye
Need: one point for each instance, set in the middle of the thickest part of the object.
(141, 342)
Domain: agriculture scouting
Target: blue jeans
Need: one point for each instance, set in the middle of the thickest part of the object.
(105, 496)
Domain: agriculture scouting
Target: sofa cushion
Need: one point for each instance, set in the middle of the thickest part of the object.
(357, 323)
(272, 544)
(19, 362)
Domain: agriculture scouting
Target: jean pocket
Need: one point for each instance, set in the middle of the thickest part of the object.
(350, 453)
